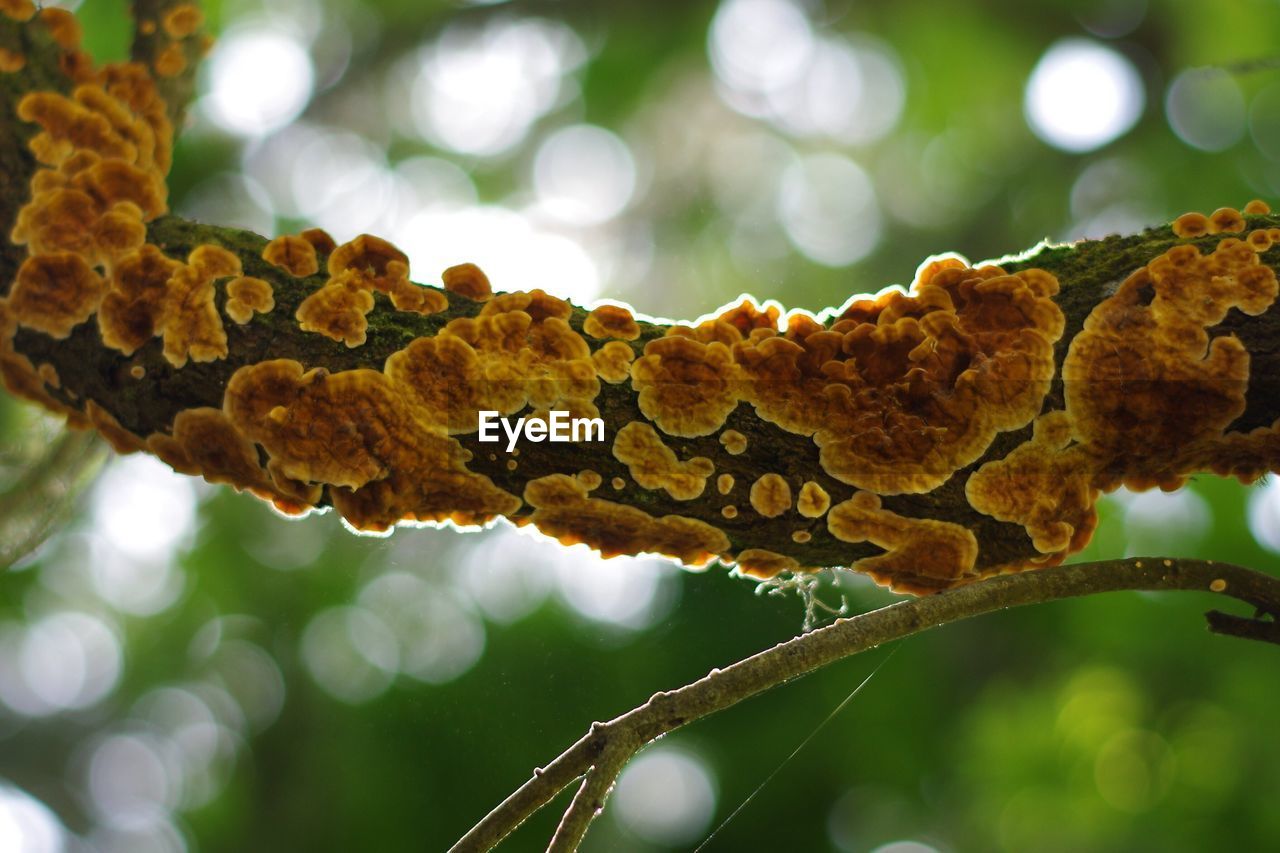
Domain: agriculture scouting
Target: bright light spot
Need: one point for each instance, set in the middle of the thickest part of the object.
(666, 796)
(259, 81)
(253, 679)
(202, 748)
(340, 181)
(142, 508)
(350, 653)
(828, 208)
(270, 162)
(622, 591)
(154, 835)
(513, 254)
(1162, 521)
(429, 183)
(143, 513)
(1206, 109)
(131, 780)
(69, 661)
(1264, 515)
(1113, 195)
(850, 91)
(479, 92)
(284, 544)
(905, 847)
(439, 637)
(584, 175)
(27, 825)
(759, 45)
(504, 576)
(1082, 95)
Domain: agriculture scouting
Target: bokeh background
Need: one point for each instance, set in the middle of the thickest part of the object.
(180, 668)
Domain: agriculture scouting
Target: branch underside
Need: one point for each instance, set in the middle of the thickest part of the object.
(1087, 275)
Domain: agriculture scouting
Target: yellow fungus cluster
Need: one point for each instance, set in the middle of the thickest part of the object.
(654, 465)
(1150, 396)
(900, 394)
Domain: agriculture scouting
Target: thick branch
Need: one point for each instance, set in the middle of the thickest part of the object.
(139, 394)
(721, 689)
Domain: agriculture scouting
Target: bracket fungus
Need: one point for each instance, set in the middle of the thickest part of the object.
(927, 435)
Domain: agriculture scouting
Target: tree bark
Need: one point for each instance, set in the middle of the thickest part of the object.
(87, 370)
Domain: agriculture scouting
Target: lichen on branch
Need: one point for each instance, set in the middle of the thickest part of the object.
(930, 436)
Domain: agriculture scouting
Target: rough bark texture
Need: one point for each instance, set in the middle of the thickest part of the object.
(1088, 272)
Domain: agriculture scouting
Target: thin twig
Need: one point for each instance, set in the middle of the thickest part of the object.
(720, 689)
(589, 801)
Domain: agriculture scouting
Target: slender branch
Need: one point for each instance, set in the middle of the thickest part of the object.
(591, 796)
(171, 49)
(720, 689)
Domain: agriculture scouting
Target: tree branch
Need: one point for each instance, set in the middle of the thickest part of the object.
(720, 689)
(148, 349)
(169, 38)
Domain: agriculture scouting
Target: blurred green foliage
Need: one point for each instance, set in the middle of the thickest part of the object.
(234, 715)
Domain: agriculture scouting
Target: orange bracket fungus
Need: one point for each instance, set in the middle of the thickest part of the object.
(928, 436)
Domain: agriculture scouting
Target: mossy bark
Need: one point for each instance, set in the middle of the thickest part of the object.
(1088, 272)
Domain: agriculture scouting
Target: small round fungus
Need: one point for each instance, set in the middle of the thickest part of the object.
(63, 26)
(247, 294)
(172, 61)
(724, 484)
(11, 60)
(1226, 220)
(293, 254)
(590, 479)
(611, 321)
(613, 361)
(19, 10)
(1190, 225)
(1218, 585)
(770, 495)
(618, 484)
(729, 511)
(337, 310)
(1257, 207)
(734, 442)
(801, 536)
(813, 501)
(467, 280)
(182, 20)
(320, 239)
(370, 258)
(407, 296)
(759, 563)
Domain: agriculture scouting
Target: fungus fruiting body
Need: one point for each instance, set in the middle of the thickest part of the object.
(1149, 396)
(832, 434)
